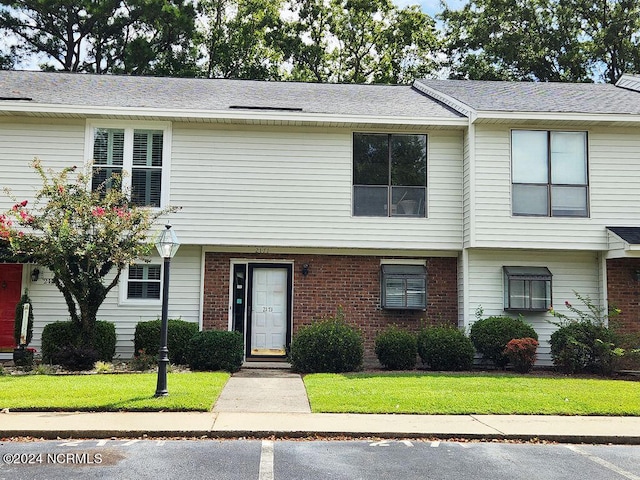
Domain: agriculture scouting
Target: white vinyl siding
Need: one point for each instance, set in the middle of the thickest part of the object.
(571, 271)
(614, 196)
(293, 187)
(57, 143)
(184, 302)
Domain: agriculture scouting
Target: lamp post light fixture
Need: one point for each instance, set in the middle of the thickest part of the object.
(167, 245)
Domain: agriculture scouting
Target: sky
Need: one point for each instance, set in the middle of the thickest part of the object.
(431, 7)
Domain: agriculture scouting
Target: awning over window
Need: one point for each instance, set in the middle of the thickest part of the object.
(528, 273)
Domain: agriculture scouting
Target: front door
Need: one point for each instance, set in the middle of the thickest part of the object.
(10, 289)
(269, 316)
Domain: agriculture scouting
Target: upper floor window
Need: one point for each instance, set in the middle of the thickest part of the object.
(141, 153)
(389, 175)
(549, 173)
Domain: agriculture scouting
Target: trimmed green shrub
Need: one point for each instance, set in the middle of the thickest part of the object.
(56, 336)
(327, 346)
(179, 332)
(490, 336)
(61, 340)
(213, 350)
(584, 347)
(445, 348)
(396, 349)
(105, 341)
(17, 324)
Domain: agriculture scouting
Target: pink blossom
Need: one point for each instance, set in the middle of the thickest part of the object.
(60, 189)
(24, 203)
(26, 217)
(122, 213)
(98, 211)
(567, 304)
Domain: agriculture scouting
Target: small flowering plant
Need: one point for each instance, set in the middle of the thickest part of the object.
(81, 235)
(521, 353)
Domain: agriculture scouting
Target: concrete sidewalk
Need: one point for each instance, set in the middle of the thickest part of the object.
(264, 403)
(618, 430)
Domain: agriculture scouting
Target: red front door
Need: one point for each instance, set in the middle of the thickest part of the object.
(10, 290)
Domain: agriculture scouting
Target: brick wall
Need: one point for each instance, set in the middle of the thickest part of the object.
(624, 292)
(352, 282)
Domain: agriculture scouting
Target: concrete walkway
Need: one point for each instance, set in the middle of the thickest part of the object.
(254, 390)
(272, 402)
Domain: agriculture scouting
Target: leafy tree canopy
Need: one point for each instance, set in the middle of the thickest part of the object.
(104, 36)
(545, 40)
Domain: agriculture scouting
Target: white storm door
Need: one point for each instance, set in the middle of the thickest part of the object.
(269, 311)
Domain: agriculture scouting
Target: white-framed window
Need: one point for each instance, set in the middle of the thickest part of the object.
(527, 288)
(403, 287)
(389, 175)
(138, 154)
(141, 284)
(549, 171)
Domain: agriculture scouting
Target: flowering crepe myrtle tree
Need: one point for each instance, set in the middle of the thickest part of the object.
(81, 236)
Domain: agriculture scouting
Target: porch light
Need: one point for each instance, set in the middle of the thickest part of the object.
(167, 245)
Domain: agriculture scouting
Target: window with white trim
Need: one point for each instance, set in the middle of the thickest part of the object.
(403, 287)
(140, 152)
(389, 175)
(527, 288)
(144, 282)
(549, 173)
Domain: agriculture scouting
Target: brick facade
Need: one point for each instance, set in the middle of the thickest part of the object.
(352, 282)
(623, 290)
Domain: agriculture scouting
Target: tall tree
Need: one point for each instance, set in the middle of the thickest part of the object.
(515, 40)
(241, 38)
(104, 36)
(360, 41)
(612, 34)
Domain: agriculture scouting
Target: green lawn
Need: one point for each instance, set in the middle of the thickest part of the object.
(133, 392)
(471, 394)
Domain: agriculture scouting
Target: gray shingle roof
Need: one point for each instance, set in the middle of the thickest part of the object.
(630, 235)
(57, 88)
(586, 98)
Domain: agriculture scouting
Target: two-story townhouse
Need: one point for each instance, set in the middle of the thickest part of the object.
(296, 199)
(551, 198)
(398, 204)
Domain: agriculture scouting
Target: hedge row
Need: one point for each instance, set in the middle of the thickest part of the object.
(332, 345)
(209, 350)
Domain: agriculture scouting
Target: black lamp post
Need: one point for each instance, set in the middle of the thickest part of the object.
(167, 245)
